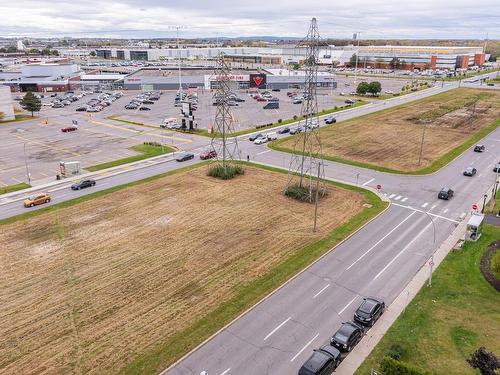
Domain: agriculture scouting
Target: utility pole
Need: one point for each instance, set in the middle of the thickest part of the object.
(422, 143)
(316, 198)
(179, 62)
(357, 57)
(28, 174)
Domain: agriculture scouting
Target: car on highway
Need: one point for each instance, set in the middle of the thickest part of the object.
(260, 140)
(470, 171)
(70, 128)
(330, 120)
(369, 311)
(253, 137)
(82, 184)
(35, 200)
(496, 168)
(185, 156)
(271, 137)
(323, 361)
(479, 148)
(283, 130)
(296, 130)
(347, 336)
(208, 155)
(349, 101)
(445, 193)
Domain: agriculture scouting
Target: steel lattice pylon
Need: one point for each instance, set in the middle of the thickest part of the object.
(307, 158)
(223, 142)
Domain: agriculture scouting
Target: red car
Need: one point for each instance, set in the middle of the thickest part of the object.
(70, 128)
(260, 99)
(208, 155)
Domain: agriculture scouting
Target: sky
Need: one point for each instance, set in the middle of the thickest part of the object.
(380, 19)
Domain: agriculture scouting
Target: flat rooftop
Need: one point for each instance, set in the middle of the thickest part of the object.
(174, 72)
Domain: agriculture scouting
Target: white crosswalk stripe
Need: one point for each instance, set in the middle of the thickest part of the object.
(398, 198)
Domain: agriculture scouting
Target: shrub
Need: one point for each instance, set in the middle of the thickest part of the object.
(280, 121)
(295, 117)
(390, 366)
(226, 172)
(396, 351)
(486, 362)
(301, 193)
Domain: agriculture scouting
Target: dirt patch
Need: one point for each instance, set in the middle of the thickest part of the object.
(392, 138)
(124, 272)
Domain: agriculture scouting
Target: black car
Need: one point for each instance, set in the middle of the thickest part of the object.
(479, 148)
(283, 130)
(272, 105)
(330, 120)
(322, 362)
(144, 108)
(496, 168)
(369, 311)
(445, 193)
(347, 336)
(253, 137)
(185, 156)
(296, 130)
(83, 184)
(81, 109)
(349, 101)
(148, 102)
(470, 171)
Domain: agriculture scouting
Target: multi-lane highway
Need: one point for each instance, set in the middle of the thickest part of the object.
(277, 335)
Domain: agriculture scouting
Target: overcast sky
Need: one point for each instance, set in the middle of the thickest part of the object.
(211, 18)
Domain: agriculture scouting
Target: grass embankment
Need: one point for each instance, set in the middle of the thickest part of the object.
(444, 324)
(389, 140)
(146, 151)
(11, 188)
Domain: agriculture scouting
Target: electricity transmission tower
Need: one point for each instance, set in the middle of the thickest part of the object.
(223, 142)
(307, 160)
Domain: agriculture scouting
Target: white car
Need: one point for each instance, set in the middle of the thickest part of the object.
(260, 141)
(48, 104)
(271, 137)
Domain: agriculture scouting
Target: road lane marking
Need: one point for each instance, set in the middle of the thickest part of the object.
(367, 182)
(278, 327)
(445, 211)
(432, 207)
(402, 251)
(379, 241)
(263, 152)
(346, 306)
(304, 348)
(322, 290)
(398, 198)
(392, 196)
(426, 212)
(404, 199)
(425, 205)
(225, 372)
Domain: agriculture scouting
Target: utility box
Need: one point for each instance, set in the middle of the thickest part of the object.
(69, 168)
(474, 227)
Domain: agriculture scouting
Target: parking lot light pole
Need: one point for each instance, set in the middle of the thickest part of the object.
(484, 202)
(26, 165)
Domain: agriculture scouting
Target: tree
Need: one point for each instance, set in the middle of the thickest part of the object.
(352, 60)
(362, 88)
(92, 53)
(486, 362)
(34, 51)
(374, 88)
(395, 63)
(31, 103)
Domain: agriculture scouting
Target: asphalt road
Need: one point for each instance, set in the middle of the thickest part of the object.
(276, 336)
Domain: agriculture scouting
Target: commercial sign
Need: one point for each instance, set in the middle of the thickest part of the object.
(230, 77)
(258, 81)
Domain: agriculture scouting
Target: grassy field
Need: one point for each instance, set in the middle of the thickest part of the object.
(445, 323)
(389, 140)
(131, 280)
(11, 188)
(146, 151)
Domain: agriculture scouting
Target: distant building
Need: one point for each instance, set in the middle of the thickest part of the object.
(20, 45)
(6, 105)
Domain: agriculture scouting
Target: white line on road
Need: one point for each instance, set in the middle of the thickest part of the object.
(428, 213)
(225, 372)
(304, 348)
(346, 306)
(425, 205)
(278, 327)
(263, 152)
(445, 211)
(321, 291)
(392, 196)
(402, 251)
(398, 198)
(432, 207)
(379, 241)
(404, 199)
(367, 182)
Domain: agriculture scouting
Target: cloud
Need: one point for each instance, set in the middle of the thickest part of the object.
(210, 18)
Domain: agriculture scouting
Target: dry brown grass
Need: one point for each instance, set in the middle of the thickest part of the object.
(85, 289)
(391, 138)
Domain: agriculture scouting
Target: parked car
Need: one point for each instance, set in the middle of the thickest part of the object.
(369, 311)
(83, 184)
(185, 156)
(283, 130)
(70, 128)
(330, 120)
(272, 105)
(253, 137)
(260, 99)
(496, 168)
(479, 148)
(93, 109)
(35, 200)
(297, 101)
(260, 140)
(323, 361)
(208, 155)
(347, 336)
(58, 105)
(82, 108)
(445, 193)
(131, 106)
(144, 109)
(349, 101)
(470, 171)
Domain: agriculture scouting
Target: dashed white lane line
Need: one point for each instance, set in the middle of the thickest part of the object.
(379, 241)
(346, 306)
(425, 205)
(367, 182)
(402, 251)
(392, 196)
(404, 199)
(304, 348)
(278, 327)
(426, 212)
(445, 211)
(321, 291)
(263, 152)
(398, 198)
(433, 207)
(225, 372)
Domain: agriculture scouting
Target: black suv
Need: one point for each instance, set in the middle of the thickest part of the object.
(479, 148)
(185, 156)
(347, 336)
(322, 362)
(445, 193)
(82, 184)
(370, 310)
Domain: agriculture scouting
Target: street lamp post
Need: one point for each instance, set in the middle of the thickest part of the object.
(26, 165)
(431, 261)
(484, 202)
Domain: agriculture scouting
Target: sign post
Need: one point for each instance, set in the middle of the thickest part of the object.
(431, 266)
